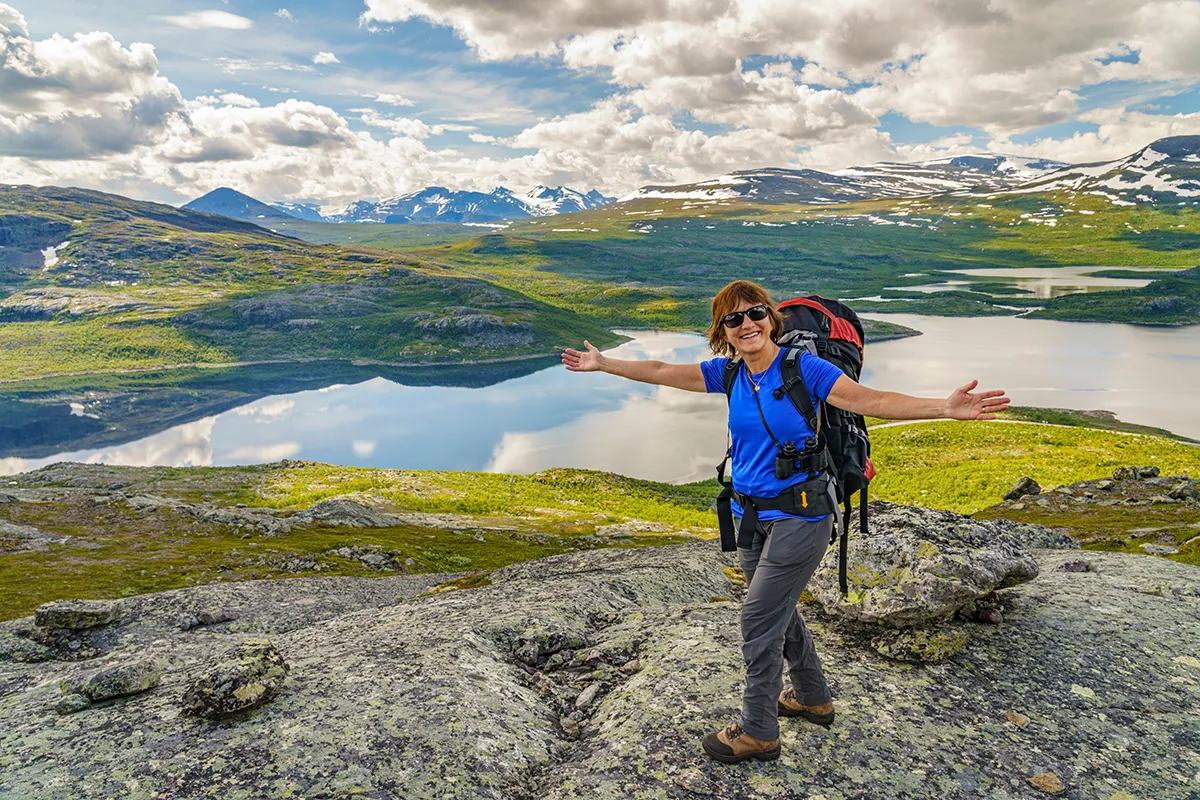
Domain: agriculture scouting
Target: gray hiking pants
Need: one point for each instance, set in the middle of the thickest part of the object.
(785, 554)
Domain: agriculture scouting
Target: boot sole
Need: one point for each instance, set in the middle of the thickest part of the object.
(824, 720)
(761, 755)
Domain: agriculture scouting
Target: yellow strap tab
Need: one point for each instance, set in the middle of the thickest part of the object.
(804, 499)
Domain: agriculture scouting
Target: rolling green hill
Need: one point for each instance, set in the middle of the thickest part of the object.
(95, 282)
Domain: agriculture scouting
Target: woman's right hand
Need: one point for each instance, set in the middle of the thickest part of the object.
(589, 360)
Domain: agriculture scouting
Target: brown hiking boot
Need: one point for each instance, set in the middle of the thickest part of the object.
(732, 745)
(789, 706)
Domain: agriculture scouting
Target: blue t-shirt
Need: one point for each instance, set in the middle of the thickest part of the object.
(753, 458)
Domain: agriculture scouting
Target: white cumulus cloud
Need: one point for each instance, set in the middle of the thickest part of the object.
(211, 19)
(325, 57)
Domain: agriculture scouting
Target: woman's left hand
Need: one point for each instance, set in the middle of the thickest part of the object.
(962, 404)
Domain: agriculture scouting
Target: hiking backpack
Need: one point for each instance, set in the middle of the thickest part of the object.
(830, 330)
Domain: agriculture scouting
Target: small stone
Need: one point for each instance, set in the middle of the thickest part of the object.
(1025, 486)
(1048, 782)
(1159, 550)
(1124, 473)
(527, 652)
(248, 676)
(1016, 718)
(1105, 485)
(478, 537)
(991, 616)
(408, 562)
(188, 621)
(71, 703)
(593, 657)
(630, 667)
(1160, 499)
(119, 681)
(587, 697)
(1075, 566)
(1147, 472)
(570, 727)
(77, 614)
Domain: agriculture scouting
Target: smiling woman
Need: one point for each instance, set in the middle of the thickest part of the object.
(783, 499)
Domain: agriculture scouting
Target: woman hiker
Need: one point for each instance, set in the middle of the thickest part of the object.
(787, 547)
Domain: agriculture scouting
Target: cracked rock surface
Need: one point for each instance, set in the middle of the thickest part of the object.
(476, 693)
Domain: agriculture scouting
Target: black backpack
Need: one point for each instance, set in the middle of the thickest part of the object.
(830, 330)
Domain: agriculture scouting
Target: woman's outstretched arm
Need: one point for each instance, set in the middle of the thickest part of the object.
(850, 396)
(680, 376)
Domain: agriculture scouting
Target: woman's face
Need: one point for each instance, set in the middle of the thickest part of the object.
(752, 335)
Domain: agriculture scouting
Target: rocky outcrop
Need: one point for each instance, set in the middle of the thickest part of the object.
(1023, 487)
(919, 566)
(594, 675)
(346, 513)
(1106, 512)
(253, 519)
(49, 302)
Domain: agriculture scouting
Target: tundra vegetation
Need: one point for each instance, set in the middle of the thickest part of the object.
(96, 536)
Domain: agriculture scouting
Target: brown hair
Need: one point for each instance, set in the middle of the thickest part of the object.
(725, 301)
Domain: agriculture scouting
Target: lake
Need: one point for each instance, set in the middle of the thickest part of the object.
(1042, 283)
(555, 418)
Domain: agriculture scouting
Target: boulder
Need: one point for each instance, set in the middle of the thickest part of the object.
(918, 566)
(1160, 550)
(347, 513)
(106, 684)
(1131, 473)
(1184, 490)
(77, 614)
(1023, 487)
(248, 676)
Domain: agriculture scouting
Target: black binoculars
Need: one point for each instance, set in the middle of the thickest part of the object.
(787, 455)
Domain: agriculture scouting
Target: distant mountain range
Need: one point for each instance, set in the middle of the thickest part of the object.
(1170, 165)
(877, 181)
(432, 204)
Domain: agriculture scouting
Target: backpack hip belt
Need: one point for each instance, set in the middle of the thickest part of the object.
(812, 498)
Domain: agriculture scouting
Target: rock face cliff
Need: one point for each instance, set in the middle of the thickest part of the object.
(594, 675)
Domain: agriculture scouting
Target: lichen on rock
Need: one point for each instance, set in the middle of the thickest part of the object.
(918, 566)
(246, 677)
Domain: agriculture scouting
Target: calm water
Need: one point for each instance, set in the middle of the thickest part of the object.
(1040, 283)
(555, 418)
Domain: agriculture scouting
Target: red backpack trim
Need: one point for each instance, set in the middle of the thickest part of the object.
(838, 328)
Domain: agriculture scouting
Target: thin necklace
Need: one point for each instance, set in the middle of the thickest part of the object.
(756, 384)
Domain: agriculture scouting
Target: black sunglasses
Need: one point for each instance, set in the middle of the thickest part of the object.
(734, 320)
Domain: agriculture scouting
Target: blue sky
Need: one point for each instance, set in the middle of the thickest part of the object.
(331, 102)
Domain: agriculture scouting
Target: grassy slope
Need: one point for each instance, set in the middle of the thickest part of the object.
(157, 287)
(964, 467)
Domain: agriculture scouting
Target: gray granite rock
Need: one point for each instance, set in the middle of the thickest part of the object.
(77, 614)
(424, 698)
(248, 676)
(1025, 486)
(918, 566)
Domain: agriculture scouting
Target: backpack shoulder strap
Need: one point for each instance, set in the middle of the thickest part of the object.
(731, 372)
(793, 386)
